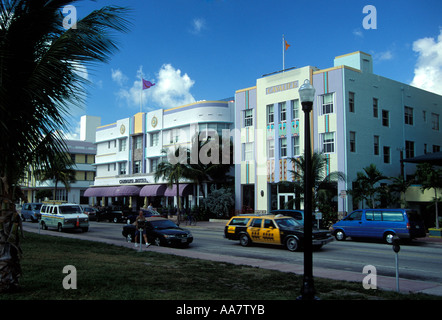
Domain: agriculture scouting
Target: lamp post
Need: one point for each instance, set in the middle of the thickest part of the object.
(307, 95)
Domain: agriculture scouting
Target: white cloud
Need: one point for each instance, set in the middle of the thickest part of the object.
(118, 77)
(198, 24)
(171, 89)
(428, 68)
(384, 56)
(358, 33)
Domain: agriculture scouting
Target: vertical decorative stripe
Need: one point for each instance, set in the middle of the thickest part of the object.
(247, 172)
(247, 99)
(325, 82)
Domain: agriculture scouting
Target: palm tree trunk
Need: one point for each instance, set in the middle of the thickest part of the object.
(178, 213)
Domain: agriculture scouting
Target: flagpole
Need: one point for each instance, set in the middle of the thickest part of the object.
(141, 94)
(283, 54)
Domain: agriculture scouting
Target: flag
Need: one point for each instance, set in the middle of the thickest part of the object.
(286, 45)
(147, 84)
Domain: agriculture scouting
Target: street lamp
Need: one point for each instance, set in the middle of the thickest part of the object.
(307, 95)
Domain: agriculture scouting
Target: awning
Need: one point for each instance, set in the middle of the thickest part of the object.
(153, 190)
(112, 191)
(185, 190)
(434, 158)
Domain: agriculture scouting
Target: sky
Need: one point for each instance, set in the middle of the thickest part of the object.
(207, 49)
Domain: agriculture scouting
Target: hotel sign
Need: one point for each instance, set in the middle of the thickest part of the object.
(139, 180)
(282, 87)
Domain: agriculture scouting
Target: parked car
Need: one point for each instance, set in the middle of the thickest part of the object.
(146, 212)
(90, 211)
(380, 224)
(272, 229)
(161, 231)
(61, 215)
(31, 211)
(114, 214)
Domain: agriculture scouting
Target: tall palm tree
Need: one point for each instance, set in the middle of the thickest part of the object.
(39, 82)
(430, 178)
(324, 184)
(173, 171)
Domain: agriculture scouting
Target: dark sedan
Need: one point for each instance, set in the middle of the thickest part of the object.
(161, 231)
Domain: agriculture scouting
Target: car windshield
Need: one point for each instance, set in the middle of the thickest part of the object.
(287, 223)
(69, 209)
(163, 224)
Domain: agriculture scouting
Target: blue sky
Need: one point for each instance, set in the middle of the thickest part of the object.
(207, 49)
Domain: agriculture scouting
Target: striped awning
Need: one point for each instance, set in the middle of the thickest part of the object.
(112, 191)
(185, 189)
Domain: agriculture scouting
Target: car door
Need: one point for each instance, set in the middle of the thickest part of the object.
(353, 224)
(254, 229)
(269, 232)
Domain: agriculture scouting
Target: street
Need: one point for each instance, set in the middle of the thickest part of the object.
(417, 261)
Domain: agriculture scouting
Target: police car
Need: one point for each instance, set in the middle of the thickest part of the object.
(61, 215)
(272, 229)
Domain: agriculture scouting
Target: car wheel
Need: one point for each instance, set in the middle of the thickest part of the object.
(44, 226)
(157, 241)
(59, 228)
(340, 235)
(129, 237)
(244, 240)
(388, 237)
(115, 220)
(292, 244)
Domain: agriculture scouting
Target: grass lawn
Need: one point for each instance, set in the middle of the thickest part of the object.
(107, 272)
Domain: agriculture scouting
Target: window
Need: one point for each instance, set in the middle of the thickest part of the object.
(351, 101)
(409, 149)
(424, 115)
(173, 135)
(154, 139)
(256, 223)
(408, 115)
(138, 142)
(270, 115)
(271, 148)
(295, 108)
(327, 103)
(122, 168)
(385, 118)
(373, 215)
(352, 141)
(375, 107)
(122, 145)
(328, 142)
(154, 164)
(392, 216)
(436, 148)
(248, 118)
(283, 147)
(435, 121)
(137, 166)
(376, 145)
(386, 154)
(296, 146)
(248, 151)
(282, 111)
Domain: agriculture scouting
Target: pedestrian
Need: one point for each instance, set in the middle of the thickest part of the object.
(150, 208)
(140, 225)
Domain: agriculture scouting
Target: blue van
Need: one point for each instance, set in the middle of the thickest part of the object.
(31, 211)
(381, 224)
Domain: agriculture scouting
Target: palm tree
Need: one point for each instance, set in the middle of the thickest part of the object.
(400, 185)
(430, 178)
(59, 171)
(367, 180)
(173, 170)
(39, 82)
(324, 185)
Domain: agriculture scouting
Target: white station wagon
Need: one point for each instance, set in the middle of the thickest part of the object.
(63, 216)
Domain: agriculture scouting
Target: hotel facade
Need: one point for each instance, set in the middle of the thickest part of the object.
(358, 118)
(129, 151)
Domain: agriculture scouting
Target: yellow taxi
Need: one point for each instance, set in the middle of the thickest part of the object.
(272, 229)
